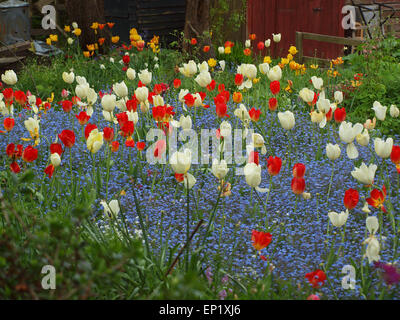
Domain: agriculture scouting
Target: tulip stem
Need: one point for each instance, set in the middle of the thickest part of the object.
(187, 224)
(330, 183)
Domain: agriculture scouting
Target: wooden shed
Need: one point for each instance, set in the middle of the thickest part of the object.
(149, 17)
(288, 16)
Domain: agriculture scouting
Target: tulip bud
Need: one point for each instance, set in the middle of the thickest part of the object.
(55, 159)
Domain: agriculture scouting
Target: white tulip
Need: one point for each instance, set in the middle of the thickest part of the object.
(219, 169)
(338, 97)
(275, 74)
(131, 74)
(242, 113)
(264, 68)
(348, 133)
(287, 120)
(111, 209)
(363, 138)
(225, 129)
(373, 248)
(181, 161)
(109, 102)
(142, 94)
(203, 67)
(158, 101)
(32, 124)
(394, 111)
(189, 69)
(182, 94)
(267, 43)
(74, 25)
(333, 151)
(9, 77)
(338, 220)
(323, 105)
(133, 116)
(81, 80)
(203, 79)
(247, 43)
(252, 174)
(372, 224)
(222, 64)
(306, 95)
(185, 122)
(364, 174)
(81, 90)
(221, 50)
(91, 96)
(145, 76)
(317, 82)
(68, 77)
(366, 208)
(383, 148)
(189, 181)
(277, 37)
(55, 159)
(70, 41)
(120, 89)
(380, 111)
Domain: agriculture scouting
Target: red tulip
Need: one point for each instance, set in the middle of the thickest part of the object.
(67, 137)
(83, 118)
(221, 109)
(238, 79)
(329, 115)
(30, 154)
(254, 157)
(56, 148)
(254, 114)
(67, 105)
(260, 46)
(260, 239)
(273, 104)
(340, 115)
(14, 167)
(141, 146)
(88, 129)
(275, 87)
(274, 165)
(49, 171)
(8, 95)
(212, 85)
(316, 278)
(377, 199)
(108, 134)
(9, 124)
(20, 97)
(131, 104)
(351, 198)
(180, 177)
(189, 100)
(177, 83)
(298, 185)
(126, 59)
(395, 157)
(130, 143)
(193, 41)
(299, 170)
(114, 146)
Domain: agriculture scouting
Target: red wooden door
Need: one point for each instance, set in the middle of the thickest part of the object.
(288, 16)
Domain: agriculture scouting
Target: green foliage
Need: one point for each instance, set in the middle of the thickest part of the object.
(378, 61)
(221, 21)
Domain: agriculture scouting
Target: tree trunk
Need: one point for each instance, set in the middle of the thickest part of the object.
(84, 13)
(197, 21)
